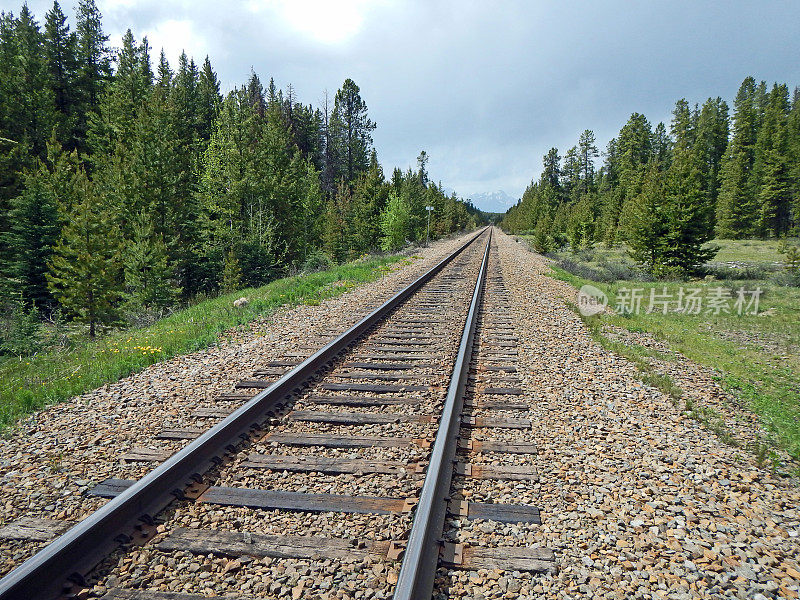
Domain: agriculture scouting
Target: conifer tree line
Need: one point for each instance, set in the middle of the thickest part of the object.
(667, 193)
(129, 184)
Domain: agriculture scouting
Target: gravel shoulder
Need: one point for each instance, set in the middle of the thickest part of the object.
(639, 500)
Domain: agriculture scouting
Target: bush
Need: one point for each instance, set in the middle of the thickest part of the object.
(738, 272)
(785, 279)
(21, 334)
(584, 254)
(580, 269)
(317, 261)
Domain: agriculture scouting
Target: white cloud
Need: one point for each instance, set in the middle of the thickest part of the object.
(322, 21)
(175, 36)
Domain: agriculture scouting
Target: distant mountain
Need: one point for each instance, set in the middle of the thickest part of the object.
(498, 202)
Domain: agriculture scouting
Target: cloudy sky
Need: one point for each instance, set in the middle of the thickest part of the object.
(484, 87)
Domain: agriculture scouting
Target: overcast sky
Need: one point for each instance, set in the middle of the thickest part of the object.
(484, 87)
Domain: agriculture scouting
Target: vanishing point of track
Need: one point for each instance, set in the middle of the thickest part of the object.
(434, 364)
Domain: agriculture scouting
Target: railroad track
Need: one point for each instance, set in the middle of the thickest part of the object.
(375, 450)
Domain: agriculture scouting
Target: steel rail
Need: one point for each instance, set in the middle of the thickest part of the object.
(73, 555)
(420, 559)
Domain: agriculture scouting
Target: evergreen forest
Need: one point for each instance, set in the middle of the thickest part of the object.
(666, 193)
(130, 186)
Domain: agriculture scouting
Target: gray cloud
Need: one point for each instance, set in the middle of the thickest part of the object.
(487, 87)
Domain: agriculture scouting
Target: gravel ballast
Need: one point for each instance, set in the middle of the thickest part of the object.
(51, 458)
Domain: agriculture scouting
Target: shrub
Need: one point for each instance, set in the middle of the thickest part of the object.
(785, 279)
(21, 335)
(738, 272)
(317, 261)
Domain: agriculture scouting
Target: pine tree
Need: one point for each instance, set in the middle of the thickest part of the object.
(121, 101)
(34, 229)
(648, 223)
(185, 115)
(634, 147)
(337, 238)
(331, 159)
(662, 147)
(164, 76)
(351, 130)
(571, 175)
(13, 154)
(687, 207)
(369, 198)
(208, 100)
(794, 150)
(255, 94)
(33, 109)
(253, 188)
(581, 222)
(542, 240)
(36, 223)
(27, 113)
(736, 203)
(94, 66)
(551, 173)
(231, 273)
(588, 152)
(711, 142)
(149, 281)
(84, 270)
(771, 165)
(61, 48)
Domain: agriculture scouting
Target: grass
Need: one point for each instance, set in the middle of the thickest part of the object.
(757, 357)
(749, 251)
(27, 384)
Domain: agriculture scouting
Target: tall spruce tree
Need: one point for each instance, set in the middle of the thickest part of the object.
(711, 142)
(648, 222)
(149, 282)
(94, 66)
(794, 151)
(772, 165)
(208, 100)
(687, 208)
(61, 48)
(736, 203)
(32, 100)
(351, 130)
(36, 220)
(588, 152)
(84, 269)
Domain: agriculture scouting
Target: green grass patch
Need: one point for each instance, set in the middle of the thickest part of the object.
(757, 356)
(30, 383)
(749, 251)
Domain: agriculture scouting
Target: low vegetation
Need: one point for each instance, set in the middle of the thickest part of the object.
(67, 363)
(757, 356)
